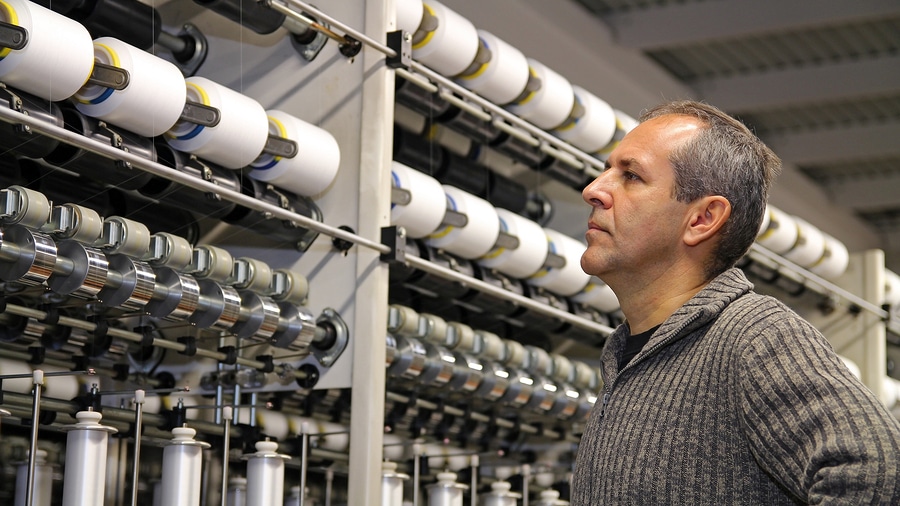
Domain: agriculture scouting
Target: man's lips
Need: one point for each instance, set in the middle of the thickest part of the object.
(594, 226)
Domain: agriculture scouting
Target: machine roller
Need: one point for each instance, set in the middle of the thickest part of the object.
(127, 267)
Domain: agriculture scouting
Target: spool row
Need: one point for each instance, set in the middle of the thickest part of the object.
(481, 62)
(404, 322)
(117, 83)
(802, 243)
(462, 224)
(120, 264)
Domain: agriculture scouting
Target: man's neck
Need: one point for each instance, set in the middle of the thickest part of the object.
(647, 303)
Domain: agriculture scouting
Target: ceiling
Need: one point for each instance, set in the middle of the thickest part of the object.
(818, 81)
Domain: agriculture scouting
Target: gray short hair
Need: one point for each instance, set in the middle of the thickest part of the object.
(726, 159)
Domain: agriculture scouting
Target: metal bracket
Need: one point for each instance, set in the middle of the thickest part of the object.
(309, 43)
(401, 43)
(13, 36)
(395, 238)
(400, 196)
(506, 241)
(328, 356)
(555, 261)
(188, 49)
(109, 76)
(15, 103)
(455, 219)
(280, 146)
(200, 114)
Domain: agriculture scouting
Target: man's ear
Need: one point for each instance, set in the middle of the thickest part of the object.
(708, 215)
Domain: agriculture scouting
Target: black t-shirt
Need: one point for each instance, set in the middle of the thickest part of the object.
(633, 345)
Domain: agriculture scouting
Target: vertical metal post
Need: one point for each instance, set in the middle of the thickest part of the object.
(329, 481)
(226, 448)
(236, 418)
(304, 452)
(417, 472)
(526, 478)
(138, 422)
(37, 379)
(253, 398)
(474, 489)
(220, 390)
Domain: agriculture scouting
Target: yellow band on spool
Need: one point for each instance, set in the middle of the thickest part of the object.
(424, 42)
(11, 17)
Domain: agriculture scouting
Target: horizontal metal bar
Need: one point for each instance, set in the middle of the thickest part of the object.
(503, 113)
(138, 338)
(814, 282)
(358, 35)
(481, 286)
(478, 417)
(107, 150)
(125, 417)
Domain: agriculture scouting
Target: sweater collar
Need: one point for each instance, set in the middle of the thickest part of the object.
(699, 310)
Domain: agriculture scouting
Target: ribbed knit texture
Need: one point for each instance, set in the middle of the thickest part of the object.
(735, 400)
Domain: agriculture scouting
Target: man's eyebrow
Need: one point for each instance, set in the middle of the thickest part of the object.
(630, 163)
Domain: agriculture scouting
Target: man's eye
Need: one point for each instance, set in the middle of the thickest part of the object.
(631, 176)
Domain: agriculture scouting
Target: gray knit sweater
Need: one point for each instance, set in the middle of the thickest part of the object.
(735, 400)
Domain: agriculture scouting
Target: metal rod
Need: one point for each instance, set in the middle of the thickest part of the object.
(312, 23)
(417, 472)
(304, 460)
(356, 34)
(38, 382)
(89, 372)
(236, 398)
(137, 338)
(479, 285)
(825, 287)
(138, 423)
(474, 489)
(329, 483)
(478, 417)
(145, 392)
(253, 398)
(589, 161)
(226, 449)
(107, 150)
(526, 477)
(220, 389)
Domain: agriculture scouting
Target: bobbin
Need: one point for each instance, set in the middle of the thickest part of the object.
(296, 328)
(262, 316)
(85, 270)
(221, 306)
(410, 359)
(175, 296)
(28, 256)
(78, 223)
(124, 237)
(135, 282)
(212, 263)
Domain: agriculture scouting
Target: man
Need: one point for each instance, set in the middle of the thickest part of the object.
(713, 394)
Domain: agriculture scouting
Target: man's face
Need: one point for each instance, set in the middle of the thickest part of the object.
(636, 224)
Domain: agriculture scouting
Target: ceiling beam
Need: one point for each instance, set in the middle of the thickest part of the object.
(871, 193)
(838, 81)
(833, 144)
(681, 24)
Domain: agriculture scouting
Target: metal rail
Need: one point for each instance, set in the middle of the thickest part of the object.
(481, 286)
(76, 323)
(820, 285)
(589, 162)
